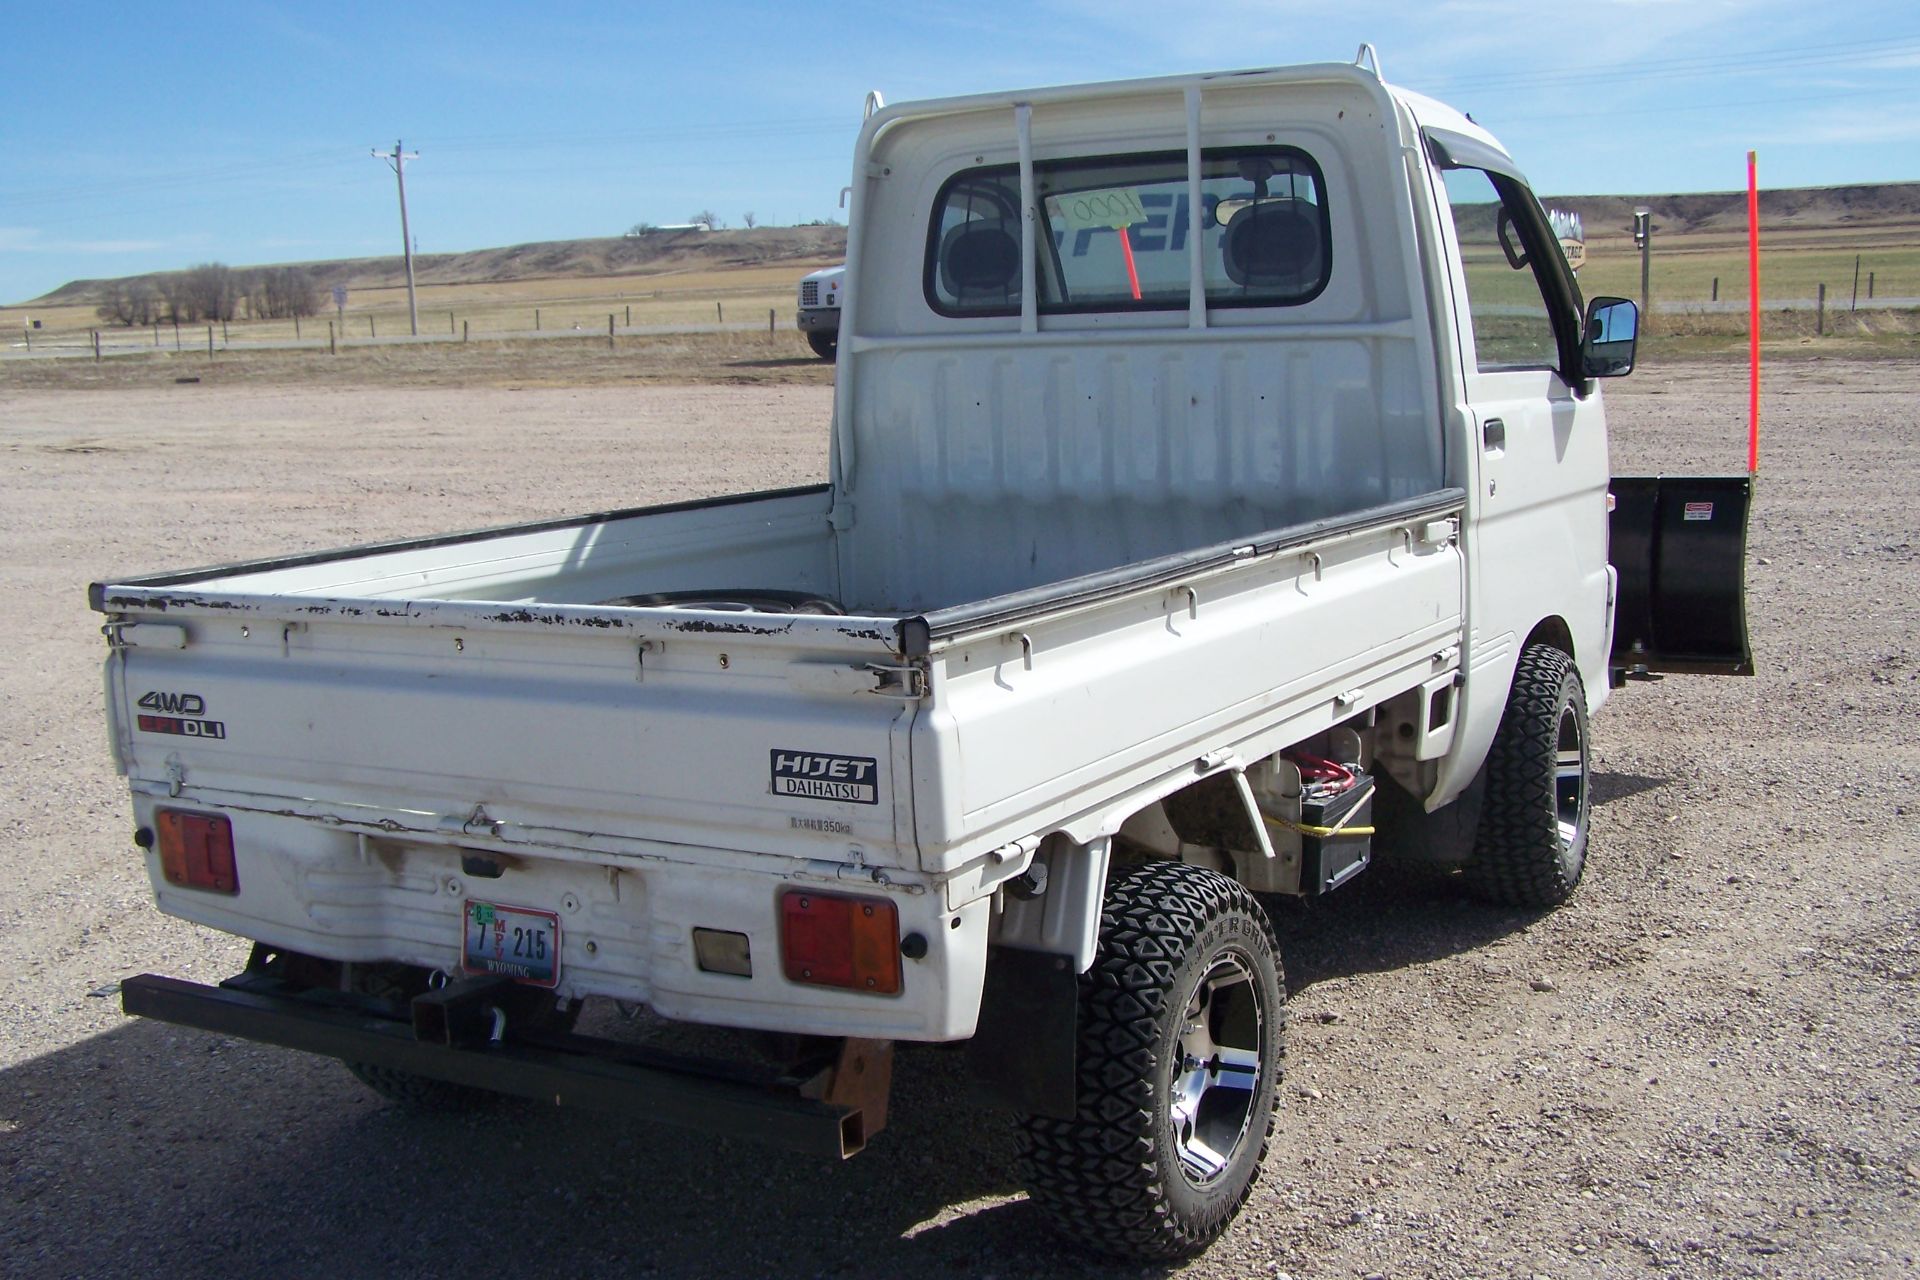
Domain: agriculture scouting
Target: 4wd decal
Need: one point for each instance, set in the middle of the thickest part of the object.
(815, 775)
(182, 718)
(174, 704)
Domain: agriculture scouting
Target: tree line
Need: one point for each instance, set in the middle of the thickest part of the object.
(211, 291)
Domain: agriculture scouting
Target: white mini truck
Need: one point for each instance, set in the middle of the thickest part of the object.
(1219, 495)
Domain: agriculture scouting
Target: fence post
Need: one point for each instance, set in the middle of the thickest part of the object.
(224, 339)
(536, 319)
(463, 330)
(176, 333)
(209, 342)
(1820, 314)
(156, 331)
(96, 346)
(1869, 285)
(1716, 288)
(332, 349)
(296, 326)
(1855, 306)
(629, 315)
(449, 324)
(28, 330)
(769, 319)
(371, 331)
(609, 331)
(719, 313)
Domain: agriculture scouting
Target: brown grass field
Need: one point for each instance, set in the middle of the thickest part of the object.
(749, 278)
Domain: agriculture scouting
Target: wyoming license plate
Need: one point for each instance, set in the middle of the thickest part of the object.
(515, 942)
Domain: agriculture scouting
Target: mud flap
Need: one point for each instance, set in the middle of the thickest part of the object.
(1679, 545)
(1024, 1055)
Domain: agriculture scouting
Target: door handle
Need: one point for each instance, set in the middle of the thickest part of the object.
(1493, 435)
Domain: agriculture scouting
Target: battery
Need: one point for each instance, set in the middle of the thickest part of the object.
(1327, 862)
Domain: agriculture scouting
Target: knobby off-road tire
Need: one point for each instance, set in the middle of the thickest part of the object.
(825, 345)
(1532, 844)
(1180, 1045)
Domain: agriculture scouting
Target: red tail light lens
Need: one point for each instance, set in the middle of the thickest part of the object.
(831, 940)
(196, 850)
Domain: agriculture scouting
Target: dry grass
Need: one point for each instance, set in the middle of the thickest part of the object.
(698, 358)
(492, 312)
(1683, 268)
(561, 304)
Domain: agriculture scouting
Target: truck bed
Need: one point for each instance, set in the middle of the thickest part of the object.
(369, 718)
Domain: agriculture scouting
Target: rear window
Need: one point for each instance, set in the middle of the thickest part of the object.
(1115, 233)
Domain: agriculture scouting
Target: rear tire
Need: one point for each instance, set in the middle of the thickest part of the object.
(1179, 1069)
(825, 345)
(1532, 845)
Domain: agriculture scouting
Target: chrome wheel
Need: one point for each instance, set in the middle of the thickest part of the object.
(1217, 1076)
(1570, 777)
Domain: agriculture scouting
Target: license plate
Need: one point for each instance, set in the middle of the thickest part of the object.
(516, 942)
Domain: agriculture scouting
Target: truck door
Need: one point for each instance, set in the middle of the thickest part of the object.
(1538, 452)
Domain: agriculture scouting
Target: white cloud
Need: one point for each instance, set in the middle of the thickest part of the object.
(33, 240)
(1898, 122)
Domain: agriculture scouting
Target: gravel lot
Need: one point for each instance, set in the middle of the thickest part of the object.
(1706, 1065)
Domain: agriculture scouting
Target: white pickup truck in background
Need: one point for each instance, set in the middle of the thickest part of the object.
(819, 312)
(1218, 496)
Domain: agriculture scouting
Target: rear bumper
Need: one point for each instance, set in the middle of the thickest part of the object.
(567, 1070)
(625, 923)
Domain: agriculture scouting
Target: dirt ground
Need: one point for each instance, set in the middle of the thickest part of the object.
(1706, 1065)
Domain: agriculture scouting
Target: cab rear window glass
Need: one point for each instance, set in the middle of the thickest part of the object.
(1115, 233)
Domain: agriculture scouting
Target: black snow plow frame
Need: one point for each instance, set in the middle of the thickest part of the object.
(797, 1112)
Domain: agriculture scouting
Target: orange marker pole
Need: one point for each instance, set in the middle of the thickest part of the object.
(1126, 251)
(1753, 315)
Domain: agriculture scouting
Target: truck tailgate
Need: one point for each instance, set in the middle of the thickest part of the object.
(571, 726)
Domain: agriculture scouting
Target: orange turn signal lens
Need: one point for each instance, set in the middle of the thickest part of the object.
(196, 850)
(832, 940)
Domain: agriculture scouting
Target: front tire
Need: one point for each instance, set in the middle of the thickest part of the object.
(1532, 845)
(1179, 1069)
(825, 344)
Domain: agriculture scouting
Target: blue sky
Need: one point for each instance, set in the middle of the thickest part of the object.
(150, 136)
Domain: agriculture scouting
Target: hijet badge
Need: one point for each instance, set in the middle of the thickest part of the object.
(816, 775)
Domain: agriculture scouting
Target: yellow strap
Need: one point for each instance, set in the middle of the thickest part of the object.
(1318, 833)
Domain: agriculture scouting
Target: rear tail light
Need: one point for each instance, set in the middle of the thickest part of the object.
(196, 850)
(831, 940)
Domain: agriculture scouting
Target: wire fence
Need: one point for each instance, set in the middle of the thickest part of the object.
(66, 331)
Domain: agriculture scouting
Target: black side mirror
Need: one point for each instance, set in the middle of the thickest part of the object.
(1608, 338)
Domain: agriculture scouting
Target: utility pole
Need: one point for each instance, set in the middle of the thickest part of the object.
(397, 161)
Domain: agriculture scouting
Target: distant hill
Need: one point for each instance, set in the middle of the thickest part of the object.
(1878, 209)
(1814, 217)
(651, 253)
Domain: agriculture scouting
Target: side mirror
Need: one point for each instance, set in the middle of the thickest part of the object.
(1608, 338)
